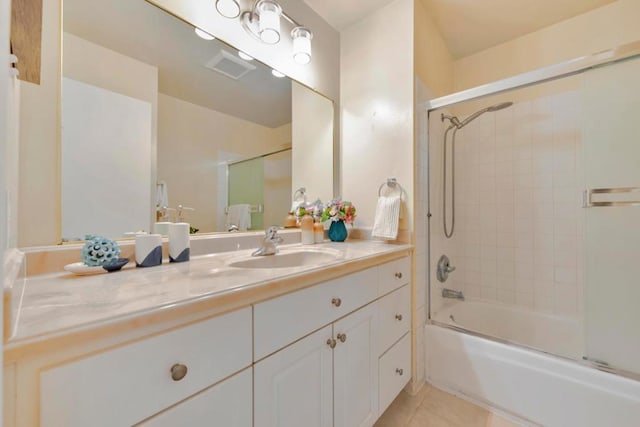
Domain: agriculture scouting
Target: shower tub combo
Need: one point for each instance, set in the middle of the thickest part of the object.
(484, 343)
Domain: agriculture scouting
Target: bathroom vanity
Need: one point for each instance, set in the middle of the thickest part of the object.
(326, 343)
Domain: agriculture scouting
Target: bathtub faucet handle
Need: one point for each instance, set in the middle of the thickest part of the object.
(444, 268)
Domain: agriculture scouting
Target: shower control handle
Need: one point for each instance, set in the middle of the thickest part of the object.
(444, 268)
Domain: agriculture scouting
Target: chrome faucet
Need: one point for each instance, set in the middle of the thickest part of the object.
(450, 293)
(271, 240)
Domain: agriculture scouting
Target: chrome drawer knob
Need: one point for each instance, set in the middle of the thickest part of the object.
(399, 317)
(342, 337)
(399, 371)
(178, 371)
(398, 275)
(331, 343)
(336, 301)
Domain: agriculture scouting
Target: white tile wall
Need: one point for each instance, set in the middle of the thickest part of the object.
(518, 205)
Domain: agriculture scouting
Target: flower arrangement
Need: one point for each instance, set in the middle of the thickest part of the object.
(339, 210)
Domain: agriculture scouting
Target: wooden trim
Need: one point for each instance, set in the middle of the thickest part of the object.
(26, 38)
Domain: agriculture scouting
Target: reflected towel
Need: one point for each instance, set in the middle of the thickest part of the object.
(387, 218)
(240, 216)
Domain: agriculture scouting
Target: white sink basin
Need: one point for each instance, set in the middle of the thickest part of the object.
(289, 259)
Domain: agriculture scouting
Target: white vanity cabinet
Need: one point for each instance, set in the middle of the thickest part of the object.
(331, 377)
(128, 384)
(227, 404)
(333, 354)
(355, 368)
(294, 387)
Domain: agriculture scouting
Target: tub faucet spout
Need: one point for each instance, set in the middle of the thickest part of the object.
(450, 293)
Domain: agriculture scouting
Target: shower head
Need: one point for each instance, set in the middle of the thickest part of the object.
(500, 106)
(477, 114)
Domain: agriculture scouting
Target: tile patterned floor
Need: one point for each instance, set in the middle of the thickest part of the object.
(432, 407)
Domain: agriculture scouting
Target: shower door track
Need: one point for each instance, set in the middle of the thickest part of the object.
(540, 75)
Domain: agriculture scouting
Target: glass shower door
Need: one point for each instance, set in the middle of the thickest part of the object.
(611, 126)
(246, 186)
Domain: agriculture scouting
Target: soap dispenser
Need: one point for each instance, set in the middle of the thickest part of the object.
(318, 231)
(306, 226)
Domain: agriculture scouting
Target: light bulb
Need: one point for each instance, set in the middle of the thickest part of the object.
(269, 12)
(203, 34)
(301, 45)
(228, 8)
(277, 74)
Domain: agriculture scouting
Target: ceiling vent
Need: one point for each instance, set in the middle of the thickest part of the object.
(229, 64)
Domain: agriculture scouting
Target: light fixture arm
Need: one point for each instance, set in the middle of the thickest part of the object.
(262, 22)
(254, 8)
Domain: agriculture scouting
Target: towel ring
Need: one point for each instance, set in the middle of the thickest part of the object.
(302, 192)
(393, 184)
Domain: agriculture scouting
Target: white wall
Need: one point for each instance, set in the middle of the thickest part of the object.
(377, 107)
(191, 140)
(39, 182)
(312, 141)
(93, 64)
(106, 162)
(603, 28)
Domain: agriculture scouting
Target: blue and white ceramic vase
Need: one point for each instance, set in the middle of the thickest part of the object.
(337, 231)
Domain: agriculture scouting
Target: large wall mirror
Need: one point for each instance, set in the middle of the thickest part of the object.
(154, 116)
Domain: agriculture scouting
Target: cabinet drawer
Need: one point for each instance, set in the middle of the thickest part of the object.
(394, 274)
(228, 404)
(395, 316)
(99, 390)
(282, 320)
(395, 371)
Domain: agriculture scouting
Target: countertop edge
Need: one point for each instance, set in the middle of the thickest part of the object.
(172, 316)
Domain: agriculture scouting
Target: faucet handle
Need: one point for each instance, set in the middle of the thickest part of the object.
(271, 234)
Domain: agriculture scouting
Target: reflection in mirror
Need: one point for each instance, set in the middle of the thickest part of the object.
(155, 117)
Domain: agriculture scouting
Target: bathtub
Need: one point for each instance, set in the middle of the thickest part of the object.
(534, 387)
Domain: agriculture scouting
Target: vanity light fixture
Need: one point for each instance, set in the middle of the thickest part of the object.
(228, 8)
(263, 22)
(244, 56)
(301, 45)
(203, 34)
(277, 74)
(269, 21)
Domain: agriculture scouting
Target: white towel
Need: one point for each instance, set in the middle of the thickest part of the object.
(240, 216)
(387, 219)
(162, 195)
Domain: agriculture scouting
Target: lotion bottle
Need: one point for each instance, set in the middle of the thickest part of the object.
(318, 231)
(306, 227)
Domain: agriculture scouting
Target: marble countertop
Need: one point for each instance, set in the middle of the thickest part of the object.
(53, 305)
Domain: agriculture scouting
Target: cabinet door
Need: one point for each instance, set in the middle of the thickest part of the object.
(294, 387)
(356, 368)
(225, 404)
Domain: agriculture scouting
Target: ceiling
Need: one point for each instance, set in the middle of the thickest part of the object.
(142, 31)
(468, 26)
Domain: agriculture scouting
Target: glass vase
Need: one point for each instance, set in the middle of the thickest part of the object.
(337, 231)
